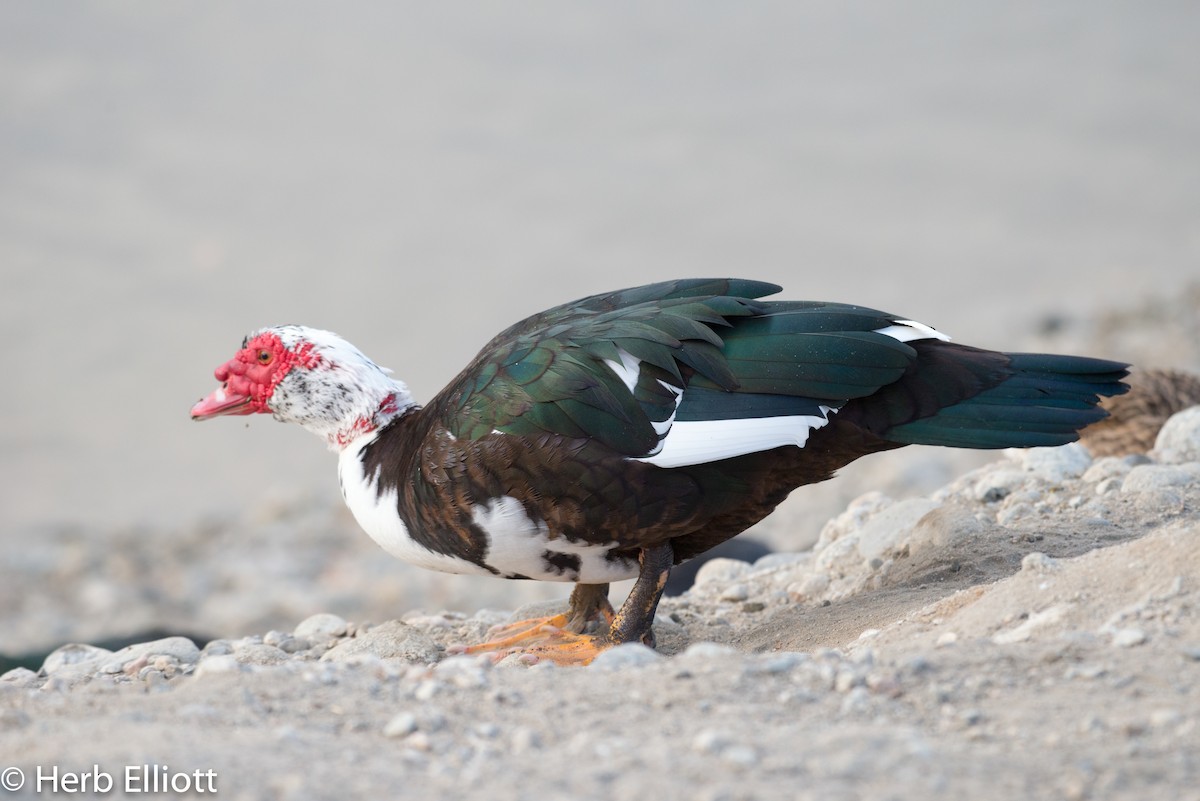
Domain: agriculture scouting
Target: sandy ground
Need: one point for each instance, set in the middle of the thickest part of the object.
(417, 179)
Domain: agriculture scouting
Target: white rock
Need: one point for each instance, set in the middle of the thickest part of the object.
(464, 671)
(721, 571)
(73, 654)
(782, 559)
(944, 527)
(257, 653)
(630, 654)
(1056, 465)
(217, 665)
(1038, 562)
(1179, 438)
(1011, 514)
(735, 592)
(20, 676)
(321, 626)
(839, 555)
(857, 512)
(387, 640)
(1034, 622)
(180, 648)
(400, 725)
(741, 755)
(995, 485)
(1128, 637)
(1154, 477)
(891, 526)
(706, 650)
(779, 662)
(808, 588)
(1161, 718)
(526, 739)
(1107, 467)
(711, 741)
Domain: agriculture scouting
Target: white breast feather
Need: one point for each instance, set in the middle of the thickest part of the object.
(378, 516)
(516, 544)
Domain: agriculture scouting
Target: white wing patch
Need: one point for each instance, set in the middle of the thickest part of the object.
(908, 330)
(628, 368)
(662, 428)
(699, 441)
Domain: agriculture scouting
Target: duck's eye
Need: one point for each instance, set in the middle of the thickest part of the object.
(264, 356)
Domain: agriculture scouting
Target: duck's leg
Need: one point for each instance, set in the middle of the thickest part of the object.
(589, 604)
(635, 620)
(560, 638)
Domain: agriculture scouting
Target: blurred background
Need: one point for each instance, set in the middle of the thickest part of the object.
(418, 176)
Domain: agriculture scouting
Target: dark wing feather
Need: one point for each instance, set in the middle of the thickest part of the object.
(737, 356)
(546, 374)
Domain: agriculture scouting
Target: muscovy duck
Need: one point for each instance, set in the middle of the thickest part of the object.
(620, 434)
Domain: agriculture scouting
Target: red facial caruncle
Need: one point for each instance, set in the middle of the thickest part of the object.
(250, 377)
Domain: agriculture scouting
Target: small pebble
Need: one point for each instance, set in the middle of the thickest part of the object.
(1179, 439)
(1128, 637)
(998, 484)
(19, 676)
(710, 741)
(252, 653)
(1107, 467)
(707, 650)
(1156, 478)
(1015, 512)
(72, 654)
(630, 654)
(418, 741)
(464, 671)
(857, 701)
(1038, 562)
(1056, 465)
(215, 665)
(322, 626)
(735, 593)
(781, 662)
(401, 725)
(427, 689)
(740, 755)
(1161, 718)
(846, 680)
(525, 739)
(809, 588)
(217, 648)
(487, 730)
(720, 571)
(275, 638)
